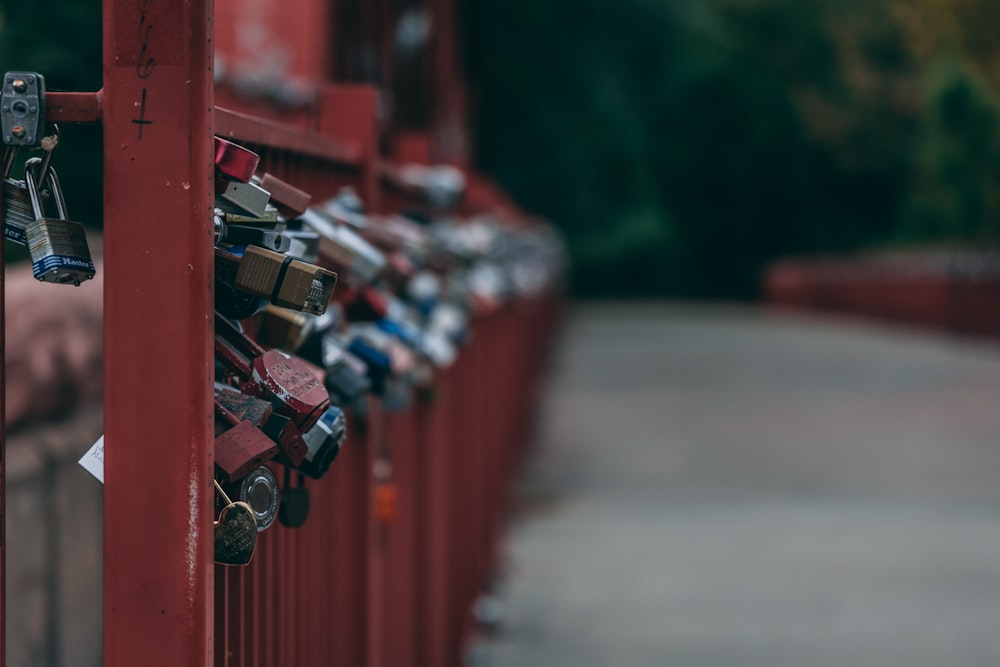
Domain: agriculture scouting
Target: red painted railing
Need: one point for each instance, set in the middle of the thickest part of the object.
(385, 570)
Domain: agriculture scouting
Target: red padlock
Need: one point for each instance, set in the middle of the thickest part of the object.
(241, 448)
(278, 428)
(288, 198)
(234, 162)
(292, 387)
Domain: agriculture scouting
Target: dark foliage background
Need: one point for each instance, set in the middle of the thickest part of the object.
(681, 145)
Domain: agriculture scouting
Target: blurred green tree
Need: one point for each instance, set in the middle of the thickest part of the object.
(683, 145)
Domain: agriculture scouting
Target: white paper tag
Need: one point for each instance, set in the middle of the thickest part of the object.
(93, 460)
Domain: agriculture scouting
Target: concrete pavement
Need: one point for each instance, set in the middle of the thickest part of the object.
(720, 486)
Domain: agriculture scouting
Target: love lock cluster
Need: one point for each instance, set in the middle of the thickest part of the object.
(293, 357)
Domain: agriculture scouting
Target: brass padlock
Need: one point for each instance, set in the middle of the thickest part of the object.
(58, 246)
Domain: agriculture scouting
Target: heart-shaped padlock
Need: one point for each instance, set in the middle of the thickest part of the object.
(235, 532)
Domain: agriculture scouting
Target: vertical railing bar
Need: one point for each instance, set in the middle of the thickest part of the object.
(157, 111)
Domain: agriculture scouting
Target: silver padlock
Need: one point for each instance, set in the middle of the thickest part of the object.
(58, 246)
(243, 199)
(324, 441)
(17, 211)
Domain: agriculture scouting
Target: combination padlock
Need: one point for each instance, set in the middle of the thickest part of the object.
(285, 281)
(289, 383)
(58, 246)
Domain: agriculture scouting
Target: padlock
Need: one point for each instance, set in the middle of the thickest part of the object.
(238, 197)
(345, 207)
(343, 250)
(17, 211)
(302, 244)
(292, 200)
(289, 383)
(278, 428)
(235, 531)
(240, 235)
(295, 502)
(250, 408)
(282, 430)
(259, 490)
(229, 301)
(346, 375)
(240, 448)
(377, 362)
(324, 441)
(285, 281)
(270, 218)
(283, 328)
(234, 162)
(58, 246)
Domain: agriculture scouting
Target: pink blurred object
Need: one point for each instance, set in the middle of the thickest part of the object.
(54, 347)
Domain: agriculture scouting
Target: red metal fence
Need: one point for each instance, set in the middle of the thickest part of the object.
(387, 566)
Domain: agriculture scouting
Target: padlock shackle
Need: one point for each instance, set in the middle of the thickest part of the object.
(232, 358)
(228, 332)
(30, 180)
(226, 414)
(8, 160)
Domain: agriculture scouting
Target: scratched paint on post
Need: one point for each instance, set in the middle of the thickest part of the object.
(142, 27)
(142, 35)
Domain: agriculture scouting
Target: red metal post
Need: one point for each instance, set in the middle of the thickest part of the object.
(158, 495)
